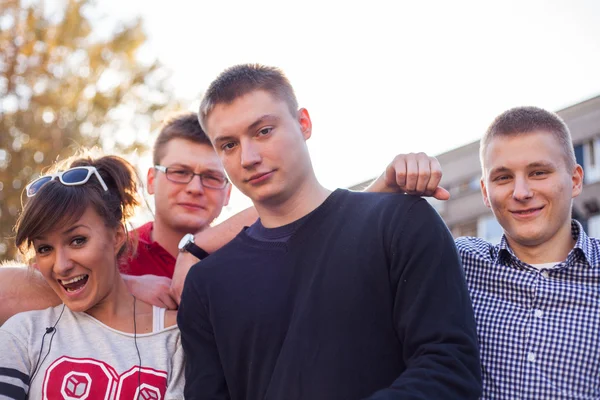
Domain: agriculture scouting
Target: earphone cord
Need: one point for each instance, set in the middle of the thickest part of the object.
(136, 346)
(48, 330)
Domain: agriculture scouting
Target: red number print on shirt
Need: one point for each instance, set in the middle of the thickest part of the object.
(85, 378)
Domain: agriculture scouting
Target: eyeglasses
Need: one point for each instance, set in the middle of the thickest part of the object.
(180, 175)
(71, 177)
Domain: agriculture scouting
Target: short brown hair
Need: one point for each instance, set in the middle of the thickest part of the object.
(523, 120)
(179, 126)
(242, 79)
(56, 205)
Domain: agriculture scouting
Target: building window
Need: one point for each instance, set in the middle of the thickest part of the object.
(591, 161)
(489, 229)
(579, 154)
(593, 226)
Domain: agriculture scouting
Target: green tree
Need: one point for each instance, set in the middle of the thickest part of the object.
(65, 82)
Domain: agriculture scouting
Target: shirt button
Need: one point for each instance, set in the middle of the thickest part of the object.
(531, 357)
(538, 313)
(545, 274)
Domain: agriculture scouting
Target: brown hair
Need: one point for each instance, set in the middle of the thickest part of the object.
(179, 126)
(56, 205)
(240, 80)
(523, 120)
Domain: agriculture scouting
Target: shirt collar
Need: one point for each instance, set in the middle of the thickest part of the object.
(583, 246)
(145, 233)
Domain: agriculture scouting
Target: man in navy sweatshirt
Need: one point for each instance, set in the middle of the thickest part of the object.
(329, 295)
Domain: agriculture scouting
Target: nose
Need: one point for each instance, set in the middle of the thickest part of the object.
(250, 155)
(63, 264)
(522, 190)
(195, 185)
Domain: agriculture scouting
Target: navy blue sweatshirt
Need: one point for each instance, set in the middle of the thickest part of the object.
(365, 300)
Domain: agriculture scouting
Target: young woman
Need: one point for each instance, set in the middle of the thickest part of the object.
(102, 342)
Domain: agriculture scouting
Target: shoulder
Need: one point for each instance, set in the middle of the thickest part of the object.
(370, 205)
(29, 322)
(144, 233)
(474, 247)
(362, 198)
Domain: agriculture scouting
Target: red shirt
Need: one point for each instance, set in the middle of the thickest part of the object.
(150, 258)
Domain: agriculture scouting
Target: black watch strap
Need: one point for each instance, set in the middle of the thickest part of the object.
(196, 250)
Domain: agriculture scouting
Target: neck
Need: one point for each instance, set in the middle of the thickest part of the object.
(116, 309)
(554, 250)
(303, 200)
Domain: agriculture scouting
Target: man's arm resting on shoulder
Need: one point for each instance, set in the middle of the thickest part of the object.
(23, 289)
(432, 311)
(204, 375)
(210, 239)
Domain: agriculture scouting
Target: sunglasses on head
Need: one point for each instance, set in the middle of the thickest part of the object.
(71, 177)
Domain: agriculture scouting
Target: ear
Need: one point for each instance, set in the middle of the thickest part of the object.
(227, 194)
(484, 193)
(577, 179)
(305, 123)
(150, 180)
(120, 238)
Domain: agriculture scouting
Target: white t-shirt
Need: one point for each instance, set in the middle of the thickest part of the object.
(545, 265)
(88, 359)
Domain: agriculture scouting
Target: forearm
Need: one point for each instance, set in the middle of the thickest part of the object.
(379, 185)
(213, 238)
(23, 289)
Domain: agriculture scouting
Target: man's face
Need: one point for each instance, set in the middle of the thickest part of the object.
(187, 207)
(262, 146)
(530, 188)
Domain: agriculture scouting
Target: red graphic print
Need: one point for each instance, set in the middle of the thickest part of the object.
(85, 378)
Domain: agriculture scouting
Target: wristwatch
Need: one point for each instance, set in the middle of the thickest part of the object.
(187, 244)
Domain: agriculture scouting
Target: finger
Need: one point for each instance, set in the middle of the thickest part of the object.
(441, 194)
(435, 175)
(424, 173)
(412, 174)
(395, 173)
(168, 301)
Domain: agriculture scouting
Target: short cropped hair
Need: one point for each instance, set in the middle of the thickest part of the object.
(242, 79)
(178, 126)
(523, 120)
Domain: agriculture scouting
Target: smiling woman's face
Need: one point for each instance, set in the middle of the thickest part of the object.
(79, 261)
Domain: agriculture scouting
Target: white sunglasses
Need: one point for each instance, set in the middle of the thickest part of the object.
(71, 177)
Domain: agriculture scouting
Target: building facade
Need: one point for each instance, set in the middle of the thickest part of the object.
(465, 213)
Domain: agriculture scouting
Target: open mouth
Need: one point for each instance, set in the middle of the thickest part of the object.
(74, 284)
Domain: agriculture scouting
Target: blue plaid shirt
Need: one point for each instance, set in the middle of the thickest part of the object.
(539, 330)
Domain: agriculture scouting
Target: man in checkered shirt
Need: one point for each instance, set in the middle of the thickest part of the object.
(536, 294)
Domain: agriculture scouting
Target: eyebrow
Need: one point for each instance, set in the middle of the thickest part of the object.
(67, 231)
(261, 120)
(542, 164)
(536, 164)
(74, 227)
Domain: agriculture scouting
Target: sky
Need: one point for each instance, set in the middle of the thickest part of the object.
(383, 77)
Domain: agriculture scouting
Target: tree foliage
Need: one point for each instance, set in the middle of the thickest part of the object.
(65, 83)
